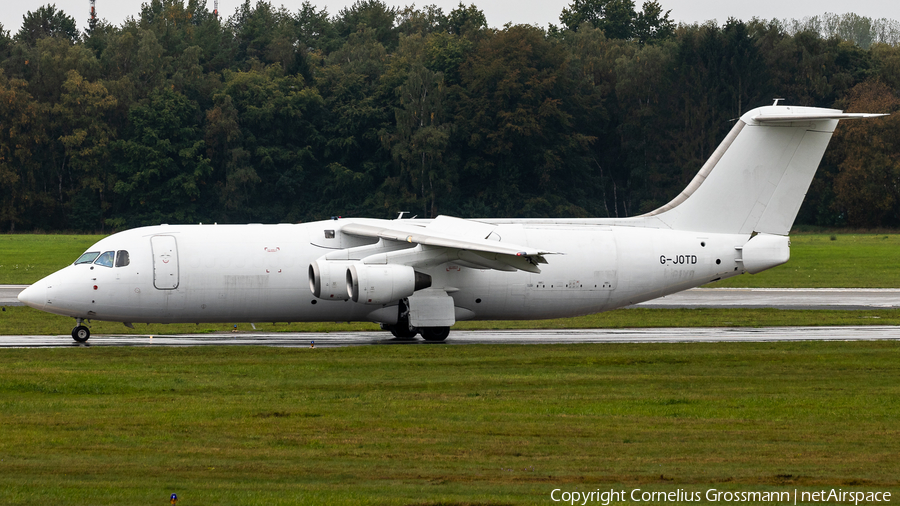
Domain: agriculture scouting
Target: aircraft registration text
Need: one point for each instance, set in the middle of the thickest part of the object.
(678, 260)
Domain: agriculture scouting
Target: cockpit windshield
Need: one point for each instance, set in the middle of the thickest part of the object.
(106, 259)
(87, 258)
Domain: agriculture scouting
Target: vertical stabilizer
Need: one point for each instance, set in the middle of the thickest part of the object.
(757, 178)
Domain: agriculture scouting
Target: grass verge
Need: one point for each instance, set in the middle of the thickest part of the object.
(451, 425)
(26, 258)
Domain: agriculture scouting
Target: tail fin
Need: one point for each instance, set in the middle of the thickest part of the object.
(757, 178)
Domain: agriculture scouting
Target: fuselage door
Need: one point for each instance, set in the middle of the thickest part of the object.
(165, 262)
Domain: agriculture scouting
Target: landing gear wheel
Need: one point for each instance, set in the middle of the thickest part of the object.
(435, 334)
(402, 332)
(81, 334)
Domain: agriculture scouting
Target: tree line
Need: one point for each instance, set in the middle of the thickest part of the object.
(180, 115)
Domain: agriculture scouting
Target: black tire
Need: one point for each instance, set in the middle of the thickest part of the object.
(81, 334)
(435, 334)
(402, 332)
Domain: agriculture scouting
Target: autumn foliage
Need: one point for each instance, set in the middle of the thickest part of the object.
(867, 185)
(272, 115)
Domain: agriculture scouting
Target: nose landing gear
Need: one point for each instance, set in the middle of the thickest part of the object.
(80, 333)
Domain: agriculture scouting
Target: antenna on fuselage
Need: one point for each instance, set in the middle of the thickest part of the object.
(777, 100)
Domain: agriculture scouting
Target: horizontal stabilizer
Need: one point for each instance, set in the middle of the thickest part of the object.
(793, 118)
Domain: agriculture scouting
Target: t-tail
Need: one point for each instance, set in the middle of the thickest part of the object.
(757, 178)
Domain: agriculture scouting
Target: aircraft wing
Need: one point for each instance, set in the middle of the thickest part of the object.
(467, 237)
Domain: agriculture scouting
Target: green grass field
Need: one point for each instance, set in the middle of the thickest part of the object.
(26, 258)
(443, 425)
(454, 425)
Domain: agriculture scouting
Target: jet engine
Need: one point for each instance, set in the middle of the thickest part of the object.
(327, 280)
(382, 284)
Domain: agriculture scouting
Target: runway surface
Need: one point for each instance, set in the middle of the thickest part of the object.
(780, 298)
(335, 339)
(8, 295)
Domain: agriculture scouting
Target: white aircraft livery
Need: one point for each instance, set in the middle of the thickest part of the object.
(421, 276)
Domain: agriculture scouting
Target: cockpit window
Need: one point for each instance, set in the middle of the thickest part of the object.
(87, 258)
(122, 258)
(106, 259)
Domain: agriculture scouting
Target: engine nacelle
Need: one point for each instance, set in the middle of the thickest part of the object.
(328, 280)
(382, 284)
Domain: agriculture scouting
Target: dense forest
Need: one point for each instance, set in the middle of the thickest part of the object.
(183, 115)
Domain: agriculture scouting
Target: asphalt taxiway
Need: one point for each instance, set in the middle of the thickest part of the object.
(573, 336)
(8, 294)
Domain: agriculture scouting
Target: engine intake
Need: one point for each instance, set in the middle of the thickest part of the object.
(382, 284)
(327, 280)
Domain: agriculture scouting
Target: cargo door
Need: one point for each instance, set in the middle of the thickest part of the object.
(165, 262)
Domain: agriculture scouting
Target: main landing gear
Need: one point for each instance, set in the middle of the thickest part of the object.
(435, 334)
(80, 333)
(402, 329)
(430, 334)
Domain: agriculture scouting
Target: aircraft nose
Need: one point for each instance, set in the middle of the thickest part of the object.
(35, 295)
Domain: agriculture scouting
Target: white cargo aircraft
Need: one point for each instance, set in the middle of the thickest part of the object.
(422, 276)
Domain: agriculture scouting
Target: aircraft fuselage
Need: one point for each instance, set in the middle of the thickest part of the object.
(254, 273)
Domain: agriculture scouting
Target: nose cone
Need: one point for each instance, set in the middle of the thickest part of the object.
(35, 295)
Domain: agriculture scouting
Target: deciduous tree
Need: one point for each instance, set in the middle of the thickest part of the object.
(161, 162)
(47, 21)
(867, 185)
